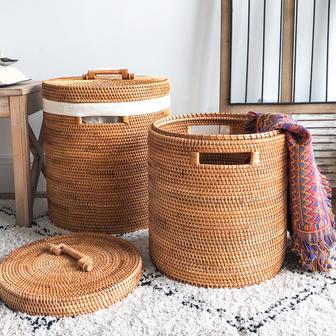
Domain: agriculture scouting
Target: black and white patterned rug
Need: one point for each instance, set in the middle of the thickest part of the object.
(293, 303)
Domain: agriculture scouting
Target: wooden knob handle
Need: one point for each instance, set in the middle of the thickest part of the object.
(85, 262)
(92, 74)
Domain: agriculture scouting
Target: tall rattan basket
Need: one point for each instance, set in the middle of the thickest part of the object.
(217, 203)
(95, 133)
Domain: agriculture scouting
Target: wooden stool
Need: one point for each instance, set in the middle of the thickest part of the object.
(17, 102)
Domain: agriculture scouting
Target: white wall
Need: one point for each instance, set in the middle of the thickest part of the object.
(176, 38)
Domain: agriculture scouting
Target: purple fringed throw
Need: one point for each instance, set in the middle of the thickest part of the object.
(312, 221)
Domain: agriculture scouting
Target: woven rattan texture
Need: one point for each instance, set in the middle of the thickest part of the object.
(104, 90)
(36, 282)
(216, 225)
(97, 174)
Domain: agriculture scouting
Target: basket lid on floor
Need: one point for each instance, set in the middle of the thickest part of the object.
(69, 275)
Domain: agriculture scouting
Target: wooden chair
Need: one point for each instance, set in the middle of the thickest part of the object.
(16, 103)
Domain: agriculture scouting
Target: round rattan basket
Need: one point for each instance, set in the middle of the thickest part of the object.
(95, 134)
(69, 275)
(217, 202)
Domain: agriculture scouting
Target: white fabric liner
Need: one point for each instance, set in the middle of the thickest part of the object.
(107, 109)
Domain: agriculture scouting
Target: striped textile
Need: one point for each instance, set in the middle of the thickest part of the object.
(312, 223)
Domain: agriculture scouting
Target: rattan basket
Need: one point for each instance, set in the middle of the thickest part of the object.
(217, 203)
(97, 172)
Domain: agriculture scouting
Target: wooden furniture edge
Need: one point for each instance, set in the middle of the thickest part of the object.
(282, 108)
(4, 107)
(225, 55)
(21, 89)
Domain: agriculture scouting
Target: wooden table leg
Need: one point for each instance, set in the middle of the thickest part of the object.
(21, 162)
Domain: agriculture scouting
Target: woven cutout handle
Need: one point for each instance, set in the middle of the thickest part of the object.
(83, 261)
(92, 74)
(197, 157)
(111, 119)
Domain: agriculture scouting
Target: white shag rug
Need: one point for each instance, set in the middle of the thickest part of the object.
(293, 303)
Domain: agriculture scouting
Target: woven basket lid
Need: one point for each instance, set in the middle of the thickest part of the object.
(69, 275)
(105, 86)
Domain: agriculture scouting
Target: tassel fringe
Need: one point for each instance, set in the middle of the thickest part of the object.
(314, 255)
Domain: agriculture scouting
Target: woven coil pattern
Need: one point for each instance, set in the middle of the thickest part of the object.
(105, 90)
(217, 203)
(97, 174)
(37, 282)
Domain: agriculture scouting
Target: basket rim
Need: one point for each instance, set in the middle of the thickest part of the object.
(216, 117)
(105, 89)
(113, 81)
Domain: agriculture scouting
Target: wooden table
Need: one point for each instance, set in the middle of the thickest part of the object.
(16, 103)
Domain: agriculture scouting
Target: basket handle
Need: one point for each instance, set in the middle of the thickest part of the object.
(83, 261)
(123, 119)
(92, 74)
(255, 156)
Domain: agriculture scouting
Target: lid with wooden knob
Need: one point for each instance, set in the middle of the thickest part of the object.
(105, 86)
(69, 275)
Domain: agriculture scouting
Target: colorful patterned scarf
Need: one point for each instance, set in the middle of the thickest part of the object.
(312, 223)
